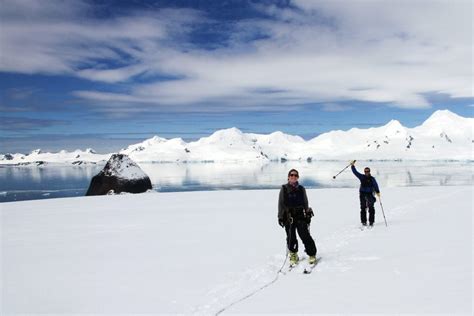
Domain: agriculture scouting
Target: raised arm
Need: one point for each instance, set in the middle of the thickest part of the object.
(356, 173)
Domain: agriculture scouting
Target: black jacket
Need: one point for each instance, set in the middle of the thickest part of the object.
(291, 199)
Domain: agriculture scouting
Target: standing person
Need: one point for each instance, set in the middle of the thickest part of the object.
(368, 185)
(295, 215)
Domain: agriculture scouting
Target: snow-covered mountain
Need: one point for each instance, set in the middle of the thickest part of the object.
(443, 136)
(38, 157)
(169, 150)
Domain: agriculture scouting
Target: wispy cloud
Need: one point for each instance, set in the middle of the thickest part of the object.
(27, 124)
(334, 107)
(20, 93)
(310, 52)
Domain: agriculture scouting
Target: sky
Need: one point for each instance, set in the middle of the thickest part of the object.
(106, 74)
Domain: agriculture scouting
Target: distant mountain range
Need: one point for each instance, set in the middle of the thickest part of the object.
(443, 136)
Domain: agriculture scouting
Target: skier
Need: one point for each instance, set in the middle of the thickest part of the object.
(368, 185)
(295, 216)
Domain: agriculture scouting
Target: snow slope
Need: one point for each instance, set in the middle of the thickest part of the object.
(443, 136)
(199, 252)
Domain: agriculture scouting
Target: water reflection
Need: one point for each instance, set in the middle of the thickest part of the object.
(25, 183)
(31, 182)
(172, 177)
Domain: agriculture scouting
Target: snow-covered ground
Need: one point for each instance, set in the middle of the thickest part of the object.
(199, 252)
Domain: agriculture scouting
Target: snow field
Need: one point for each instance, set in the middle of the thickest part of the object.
(199, 252)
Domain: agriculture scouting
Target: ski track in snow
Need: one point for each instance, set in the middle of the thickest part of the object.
(239, 285)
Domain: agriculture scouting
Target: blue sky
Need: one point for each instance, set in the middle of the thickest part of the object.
(105, 74)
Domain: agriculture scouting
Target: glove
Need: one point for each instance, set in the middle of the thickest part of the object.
(281, 222)
(353, 162)
(307, 215)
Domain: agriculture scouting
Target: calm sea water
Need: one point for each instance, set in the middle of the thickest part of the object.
(53, 181)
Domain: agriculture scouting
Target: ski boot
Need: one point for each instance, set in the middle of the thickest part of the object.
(312, 260)
(294, 258)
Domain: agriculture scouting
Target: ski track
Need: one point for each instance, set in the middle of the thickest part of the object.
(239, 285)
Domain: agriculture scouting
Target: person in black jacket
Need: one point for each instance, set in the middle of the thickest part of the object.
(294, 215)
(368, 185)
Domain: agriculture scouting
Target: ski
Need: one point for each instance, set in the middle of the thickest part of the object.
(292, 266)
(366, 227)
(309, 268)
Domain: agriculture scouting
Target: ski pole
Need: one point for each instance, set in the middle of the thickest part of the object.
(380, 201)
(334, 177)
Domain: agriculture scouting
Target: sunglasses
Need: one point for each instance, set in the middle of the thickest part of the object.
(366, 171)
(293, 175)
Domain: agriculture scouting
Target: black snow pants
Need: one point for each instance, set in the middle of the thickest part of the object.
(302, 227)
(367, 201)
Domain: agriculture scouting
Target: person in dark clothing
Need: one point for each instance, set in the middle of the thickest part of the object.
(294, 215)
(368, 185)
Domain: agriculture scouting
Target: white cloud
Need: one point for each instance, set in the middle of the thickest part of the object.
(326, 52)
(73, 43)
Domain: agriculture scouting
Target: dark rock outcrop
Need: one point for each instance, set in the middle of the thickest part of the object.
(120, 174)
